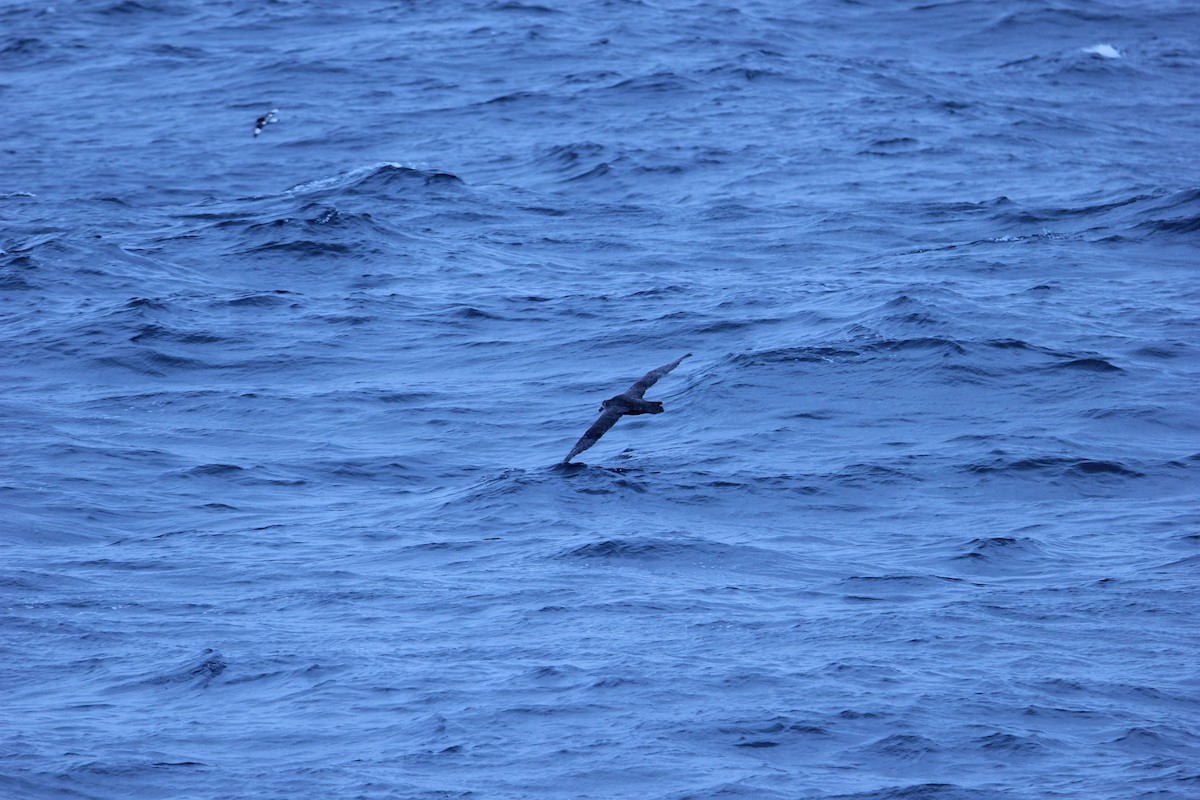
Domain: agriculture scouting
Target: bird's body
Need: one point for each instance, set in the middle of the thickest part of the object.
(265, 120)
(629, 402)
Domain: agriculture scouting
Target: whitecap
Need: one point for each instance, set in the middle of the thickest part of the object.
(1103, 50)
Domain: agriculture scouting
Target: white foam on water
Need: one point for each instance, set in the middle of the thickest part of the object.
(1103, 50)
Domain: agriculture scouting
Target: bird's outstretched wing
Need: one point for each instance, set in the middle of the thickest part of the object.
(651, 378)
(598, 429)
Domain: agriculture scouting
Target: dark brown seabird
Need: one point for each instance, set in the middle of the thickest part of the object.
(628, 402)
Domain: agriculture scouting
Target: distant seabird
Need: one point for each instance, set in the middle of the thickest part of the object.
(629, 402)
(265, 120)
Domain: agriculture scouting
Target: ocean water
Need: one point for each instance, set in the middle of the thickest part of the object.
(281, 507)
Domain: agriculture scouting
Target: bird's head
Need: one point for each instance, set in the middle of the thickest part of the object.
(612, 403)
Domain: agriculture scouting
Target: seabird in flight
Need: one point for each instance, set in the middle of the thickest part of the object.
(265, 120)
(628, 402)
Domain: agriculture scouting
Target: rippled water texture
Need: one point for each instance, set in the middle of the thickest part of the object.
(281, 506)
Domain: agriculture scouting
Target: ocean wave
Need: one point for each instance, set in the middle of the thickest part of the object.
(1055, 465)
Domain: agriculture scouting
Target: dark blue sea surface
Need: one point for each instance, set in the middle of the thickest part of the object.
(281, 507)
